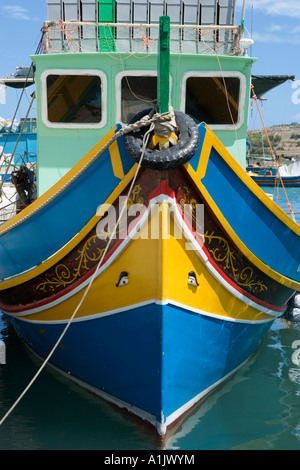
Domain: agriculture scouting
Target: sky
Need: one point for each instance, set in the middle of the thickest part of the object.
(274, 25)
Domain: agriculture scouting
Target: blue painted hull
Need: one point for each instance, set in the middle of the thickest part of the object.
(261, 231)
(160, 359)
(83, 197)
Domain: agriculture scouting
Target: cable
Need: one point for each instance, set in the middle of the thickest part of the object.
(277, 168)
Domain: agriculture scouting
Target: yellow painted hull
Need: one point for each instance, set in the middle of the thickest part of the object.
(158, 272)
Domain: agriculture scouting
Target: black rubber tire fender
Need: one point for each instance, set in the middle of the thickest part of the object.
(179, 154)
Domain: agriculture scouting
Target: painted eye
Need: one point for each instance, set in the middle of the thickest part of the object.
(192, 279)
(123, 279)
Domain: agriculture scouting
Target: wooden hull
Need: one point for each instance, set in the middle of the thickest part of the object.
(198, 297)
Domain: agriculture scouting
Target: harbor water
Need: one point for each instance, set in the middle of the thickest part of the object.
(257, 409)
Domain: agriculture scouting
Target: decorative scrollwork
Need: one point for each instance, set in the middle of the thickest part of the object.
(64, 276)
(225, 255)
(135, 199)
(87, 256)
(220, 249)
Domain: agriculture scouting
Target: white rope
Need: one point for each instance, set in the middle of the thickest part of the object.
(145, 141)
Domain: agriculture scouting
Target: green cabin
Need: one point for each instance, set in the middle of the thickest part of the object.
(99, 68)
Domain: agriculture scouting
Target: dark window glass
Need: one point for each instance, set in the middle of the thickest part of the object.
(137, 93)
(208, 100)
(74, 98)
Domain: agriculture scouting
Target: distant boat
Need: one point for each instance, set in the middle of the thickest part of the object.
(22, 78)
(268, 176)
(20, 138)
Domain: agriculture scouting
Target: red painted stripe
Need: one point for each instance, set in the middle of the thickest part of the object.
(163, 189)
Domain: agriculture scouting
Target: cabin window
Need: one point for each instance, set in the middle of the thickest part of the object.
(74, 99)
(138, 92)
(213, 99)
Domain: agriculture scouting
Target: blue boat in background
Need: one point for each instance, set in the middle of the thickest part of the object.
(289, 175)
(18, 155)
(25, 142)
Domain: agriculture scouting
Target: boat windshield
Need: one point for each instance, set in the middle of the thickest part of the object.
(137, 93)
(74, 98)
(213, 99)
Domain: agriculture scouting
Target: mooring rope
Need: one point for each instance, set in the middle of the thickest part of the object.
(45, 362)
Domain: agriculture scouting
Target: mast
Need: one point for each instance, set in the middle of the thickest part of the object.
(243, 14)
(163, 65)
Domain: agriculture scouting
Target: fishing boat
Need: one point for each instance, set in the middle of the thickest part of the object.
(287, 174)
(151, 265)
(22, 78)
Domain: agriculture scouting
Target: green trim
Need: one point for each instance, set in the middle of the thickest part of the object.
(107, 14)
(163, 65)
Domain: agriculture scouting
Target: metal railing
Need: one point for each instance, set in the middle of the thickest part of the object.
(76, 36)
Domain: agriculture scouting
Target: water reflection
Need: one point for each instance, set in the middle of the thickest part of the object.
(258, 408)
